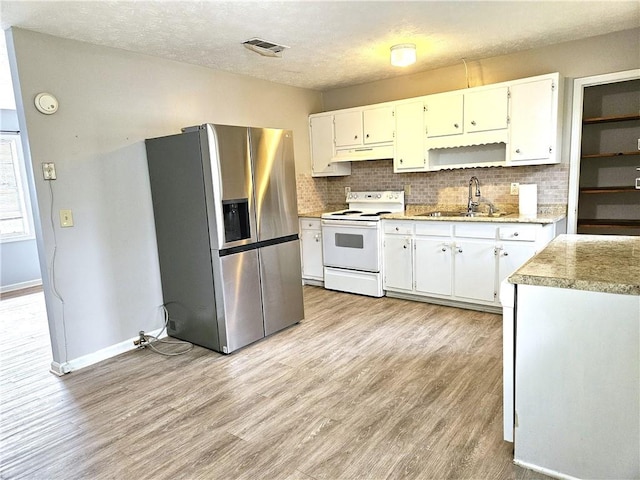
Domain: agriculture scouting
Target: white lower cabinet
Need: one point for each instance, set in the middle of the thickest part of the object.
(311, 245)
(511, 256)
(398, 248)
(457, 262)
(399, 273)
(433, 265)
(474, 269)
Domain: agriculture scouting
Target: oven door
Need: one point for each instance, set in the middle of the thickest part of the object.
(351, 244)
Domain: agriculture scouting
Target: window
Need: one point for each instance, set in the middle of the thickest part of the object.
(15, 216)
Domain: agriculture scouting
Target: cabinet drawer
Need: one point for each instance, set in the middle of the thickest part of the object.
(438, 229)
(401, 228)
(309, 224)
(523, 233)
(475, 231)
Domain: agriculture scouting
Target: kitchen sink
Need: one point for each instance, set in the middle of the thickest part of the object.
(444, 213)
(441, 213)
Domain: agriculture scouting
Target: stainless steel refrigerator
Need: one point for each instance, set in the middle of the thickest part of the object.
(224, 201)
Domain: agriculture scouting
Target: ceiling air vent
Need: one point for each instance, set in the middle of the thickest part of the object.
(264, 47)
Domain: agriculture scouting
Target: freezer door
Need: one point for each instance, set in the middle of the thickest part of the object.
(275, 182)
(281, 279)
(229, 185)
(240, 311)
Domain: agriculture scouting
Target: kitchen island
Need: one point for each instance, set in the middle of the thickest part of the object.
(577, 358)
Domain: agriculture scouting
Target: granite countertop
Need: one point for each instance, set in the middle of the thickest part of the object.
(597, 263)
(506, 214)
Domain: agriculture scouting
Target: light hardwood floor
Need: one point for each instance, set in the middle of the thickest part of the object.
(362, 388)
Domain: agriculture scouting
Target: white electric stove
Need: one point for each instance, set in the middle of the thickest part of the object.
(352, 242)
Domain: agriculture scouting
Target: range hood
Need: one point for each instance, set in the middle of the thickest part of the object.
(370, 152)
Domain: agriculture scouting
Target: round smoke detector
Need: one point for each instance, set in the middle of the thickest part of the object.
(46, 103)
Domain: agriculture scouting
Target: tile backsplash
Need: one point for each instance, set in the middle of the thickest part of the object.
(441, 187)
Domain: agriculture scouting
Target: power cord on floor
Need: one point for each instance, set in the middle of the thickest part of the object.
(151, 341)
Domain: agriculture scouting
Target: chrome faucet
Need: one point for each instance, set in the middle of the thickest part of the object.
(471, 205)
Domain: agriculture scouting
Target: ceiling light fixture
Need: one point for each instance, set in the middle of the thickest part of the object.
(403, 55)
(264, 47)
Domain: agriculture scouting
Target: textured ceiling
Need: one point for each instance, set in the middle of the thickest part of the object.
(333, 43)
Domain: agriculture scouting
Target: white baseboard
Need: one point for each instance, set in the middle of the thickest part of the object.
(545, 471)
(61, 369)
(20, 286)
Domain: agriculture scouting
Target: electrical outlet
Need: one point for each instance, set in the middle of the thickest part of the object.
(347, 190)
(515, 188)
(49, 171)
(66, 218)
(407, 189)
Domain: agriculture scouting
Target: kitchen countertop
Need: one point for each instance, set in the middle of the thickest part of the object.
(550, 214)
(597, 263)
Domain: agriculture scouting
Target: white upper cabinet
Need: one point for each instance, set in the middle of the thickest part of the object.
(321, 135)
(379, 125)
(534, 115)
(444, 115)
(409, 146)
(364, 134)
(511, 123)
(486, 110)
(364, 127)
(348, 127)
(477, 116)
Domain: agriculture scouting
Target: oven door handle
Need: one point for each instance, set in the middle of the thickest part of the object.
(349, 223)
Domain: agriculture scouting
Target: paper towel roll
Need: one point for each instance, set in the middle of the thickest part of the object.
(528, 200)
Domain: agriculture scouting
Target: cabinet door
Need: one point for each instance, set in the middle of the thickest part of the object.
(486, 110)
(433, 265)
(398, 264)
(511, 256)
(532, 125)
(311, 241)
(378, 125)
(409, 146)
(474, 270)
(321, 129)
(444, 115)
(348, 128)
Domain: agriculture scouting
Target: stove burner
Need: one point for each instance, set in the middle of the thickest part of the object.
(347, 212)
(374, 214)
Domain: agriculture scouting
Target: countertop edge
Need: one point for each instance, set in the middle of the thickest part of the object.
(513, 218)
(573, 284)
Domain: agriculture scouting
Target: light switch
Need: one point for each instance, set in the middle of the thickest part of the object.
(66, 218)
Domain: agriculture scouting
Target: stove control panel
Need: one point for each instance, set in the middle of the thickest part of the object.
(376, 197)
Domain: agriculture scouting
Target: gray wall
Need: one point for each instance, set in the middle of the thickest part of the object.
(592, 56)
(19, 266)
(106, 267)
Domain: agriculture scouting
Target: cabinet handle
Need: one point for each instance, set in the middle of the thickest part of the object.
(506, 254)
(444, 249)
(400, 160)
(404, 246)
(455, 125)
(473, 122)
(459, 250)
(397, 229)
(515, 234)
(317, 237)
(517, 150)
(367, 135)
(355, 137)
